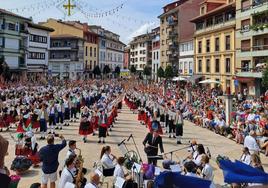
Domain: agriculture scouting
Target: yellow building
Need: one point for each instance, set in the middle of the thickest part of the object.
(215, 42)
(81, 30)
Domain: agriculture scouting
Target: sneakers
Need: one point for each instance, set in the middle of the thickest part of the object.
(99, 141)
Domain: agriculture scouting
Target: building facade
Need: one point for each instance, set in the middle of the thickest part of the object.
(126, 58)
(38, 44)
(13, 42)
(80, 30)
(155, 52)
(251, 45)
(111, 49)
(141, 51)
(214, 42)
(186, 60)
(66, 57)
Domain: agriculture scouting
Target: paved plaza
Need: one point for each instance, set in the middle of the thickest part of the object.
(127, 124)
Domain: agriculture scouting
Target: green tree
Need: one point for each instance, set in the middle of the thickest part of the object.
(169, 72)
(2, 61)
(160, 73)
(97, 71)
(133, 69)
(265, 78)
(4, 69)
(106, 69)
(147, 71)
(117, 71)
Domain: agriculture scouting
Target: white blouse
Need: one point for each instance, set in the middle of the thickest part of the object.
(107, 161)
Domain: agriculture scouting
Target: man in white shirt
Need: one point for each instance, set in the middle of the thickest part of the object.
(71, 150)
(251, 143)
(207, 171)
(94, 180)
(66, 174)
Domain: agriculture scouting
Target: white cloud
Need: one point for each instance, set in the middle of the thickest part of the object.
(142, 30)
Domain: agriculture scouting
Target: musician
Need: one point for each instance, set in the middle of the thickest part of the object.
(207, 171)
(246, 157)
(107, 158)
(118, 171)
(94, 180)
(151, 143)
(200, 152)
(71, 150)
(67, 173)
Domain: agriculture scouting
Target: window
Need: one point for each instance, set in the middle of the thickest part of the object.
(199, 65)
(245, 45)
(209, 22)
(95, 52)
(36, 55)
(38, 39)
(1, 42)
(245, 5)
(208, 45)
(218, 19)
(227, 42)
(202, 11)
(86, 50)
(11, 26)
(157, 55)
(245, 25)
(90, 51)
(208, 65)
(90, 65)
(228, 65)
(154, 56)
(199, 46)
(217, 44)
(217, 65)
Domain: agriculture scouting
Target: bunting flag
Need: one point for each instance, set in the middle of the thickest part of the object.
(238, 172)
(173, 179)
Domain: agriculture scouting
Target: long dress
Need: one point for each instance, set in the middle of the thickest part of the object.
(85, 127)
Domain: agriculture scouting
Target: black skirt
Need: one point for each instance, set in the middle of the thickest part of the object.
(102, 132)
(162, 118)
(179, 130)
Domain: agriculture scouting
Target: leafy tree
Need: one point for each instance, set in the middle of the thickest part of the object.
(169, 72)
(4, 69)
(117, 71)
(160, 72)
(147, 71)
(96, 70)
(106, 69)
(265, 78)
(2, 61)
(133, 69)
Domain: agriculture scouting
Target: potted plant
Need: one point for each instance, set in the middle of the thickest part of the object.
(21, 164)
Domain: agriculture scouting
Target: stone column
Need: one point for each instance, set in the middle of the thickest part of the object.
(228, 108)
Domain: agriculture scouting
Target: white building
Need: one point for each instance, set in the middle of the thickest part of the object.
(38, 43)
(155, 52)
(186, 60)
(141, 52)
(66, 57)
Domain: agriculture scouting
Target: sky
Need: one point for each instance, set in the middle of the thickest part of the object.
(134, 18)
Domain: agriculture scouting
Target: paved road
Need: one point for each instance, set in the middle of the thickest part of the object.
(127, 124)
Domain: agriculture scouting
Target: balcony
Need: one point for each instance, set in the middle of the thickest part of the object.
(64, 48)
(257, 6)
(173, 22)
(255, 51)
(249, 72)
(213, 27)
(252, 31)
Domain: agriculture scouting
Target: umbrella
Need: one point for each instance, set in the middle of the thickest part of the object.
(209, 81)
(175, 179)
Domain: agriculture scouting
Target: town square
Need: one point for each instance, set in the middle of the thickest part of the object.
(133, 94)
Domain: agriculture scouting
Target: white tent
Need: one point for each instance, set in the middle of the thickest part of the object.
(179, 79)
(209, 81)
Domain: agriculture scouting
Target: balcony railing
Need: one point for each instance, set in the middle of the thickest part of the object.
(173, 22)
(259, 2)
(260, 47)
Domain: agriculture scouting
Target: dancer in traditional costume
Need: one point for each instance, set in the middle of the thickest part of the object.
(103, 125)
(85, 125)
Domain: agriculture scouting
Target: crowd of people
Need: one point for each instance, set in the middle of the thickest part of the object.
(94, 104)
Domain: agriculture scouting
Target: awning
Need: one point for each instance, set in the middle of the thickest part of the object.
(244, 79)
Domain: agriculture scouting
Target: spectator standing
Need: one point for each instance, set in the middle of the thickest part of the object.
(49, 156)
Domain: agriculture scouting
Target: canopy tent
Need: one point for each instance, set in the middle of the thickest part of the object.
(169, 179)
(238, 172)
(209, 81)
(179, 78)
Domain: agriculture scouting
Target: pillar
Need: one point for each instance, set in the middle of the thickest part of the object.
(228, 108)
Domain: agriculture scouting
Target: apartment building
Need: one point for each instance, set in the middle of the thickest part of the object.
(141, 51)
(155, 52)
(111, 49)
(214, 42)
(38, 44)
(80, 30)
(13, 42)
(251, 44)
(66, 57)
(126, 57)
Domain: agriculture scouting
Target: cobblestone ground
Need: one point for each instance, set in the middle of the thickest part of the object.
(127, 124)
